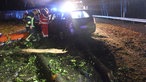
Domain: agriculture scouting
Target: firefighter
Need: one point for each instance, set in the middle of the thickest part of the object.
(44, 21)
(25, 15)
(24, 19)
(37, 24)
(31, 27)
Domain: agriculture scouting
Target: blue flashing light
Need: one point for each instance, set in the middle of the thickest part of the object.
(54, 9)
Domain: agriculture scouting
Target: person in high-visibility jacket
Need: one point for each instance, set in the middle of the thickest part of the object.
(24, 19)
(30, 24)
(44, 21)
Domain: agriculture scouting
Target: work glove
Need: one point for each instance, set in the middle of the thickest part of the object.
(31, 27)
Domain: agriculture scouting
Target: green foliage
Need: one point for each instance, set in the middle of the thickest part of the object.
(18, 80)
(67, 66)
(17, 67)
(28, 44)
(56, 67)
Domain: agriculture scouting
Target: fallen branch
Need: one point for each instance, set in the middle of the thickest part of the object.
(55, 51)
(39, 51)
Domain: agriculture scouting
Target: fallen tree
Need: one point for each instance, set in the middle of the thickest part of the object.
(28, 51)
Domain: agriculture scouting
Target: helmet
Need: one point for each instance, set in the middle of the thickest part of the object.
(37, 11)
(26, 12)
(45, 11)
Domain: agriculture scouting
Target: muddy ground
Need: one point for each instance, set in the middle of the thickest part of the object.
(121, 50)
(128, 48)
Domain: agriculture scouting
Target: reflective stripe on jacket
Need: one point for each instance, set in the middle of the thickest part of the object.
(44, 19)
(30, 21)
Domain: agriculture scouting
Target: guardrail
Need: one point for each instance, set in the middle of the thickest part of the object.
(122, 18)
(135, 24)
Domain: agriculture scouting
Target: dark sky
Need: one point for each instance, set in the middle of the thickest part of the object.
(21, 4)
(11, 4)
(120, 8)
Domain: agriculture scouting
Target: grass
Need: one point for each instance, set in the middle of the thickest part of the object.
(10, 27)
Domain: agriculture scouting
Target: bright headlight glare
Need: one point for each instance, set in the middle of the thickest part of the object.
(79, 14)
(67, 7)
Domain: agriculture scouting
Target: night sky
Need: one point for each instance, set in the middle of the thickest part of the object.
(120, 8)
(21, 4)
(11, 4)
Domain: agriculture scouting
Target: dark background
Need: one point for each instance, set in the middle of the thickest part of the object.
(120, 8)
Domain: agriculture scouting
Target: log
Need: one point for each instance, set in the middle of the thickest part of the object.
(29, 51)
(55, 51)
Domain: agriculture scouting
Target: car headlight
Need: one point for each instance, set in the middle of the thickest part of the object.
(67, 7)
(79, 14)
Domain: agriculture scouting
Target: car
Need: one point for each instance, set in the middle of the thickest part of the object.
(82, 22)
(77, 22)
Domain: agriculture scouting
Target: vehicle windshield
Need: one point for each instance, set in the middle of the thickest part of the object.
(79, 14)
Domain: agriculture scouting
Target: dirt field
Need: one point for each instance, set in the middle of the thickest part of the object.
(129, 49)
(11, 27)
